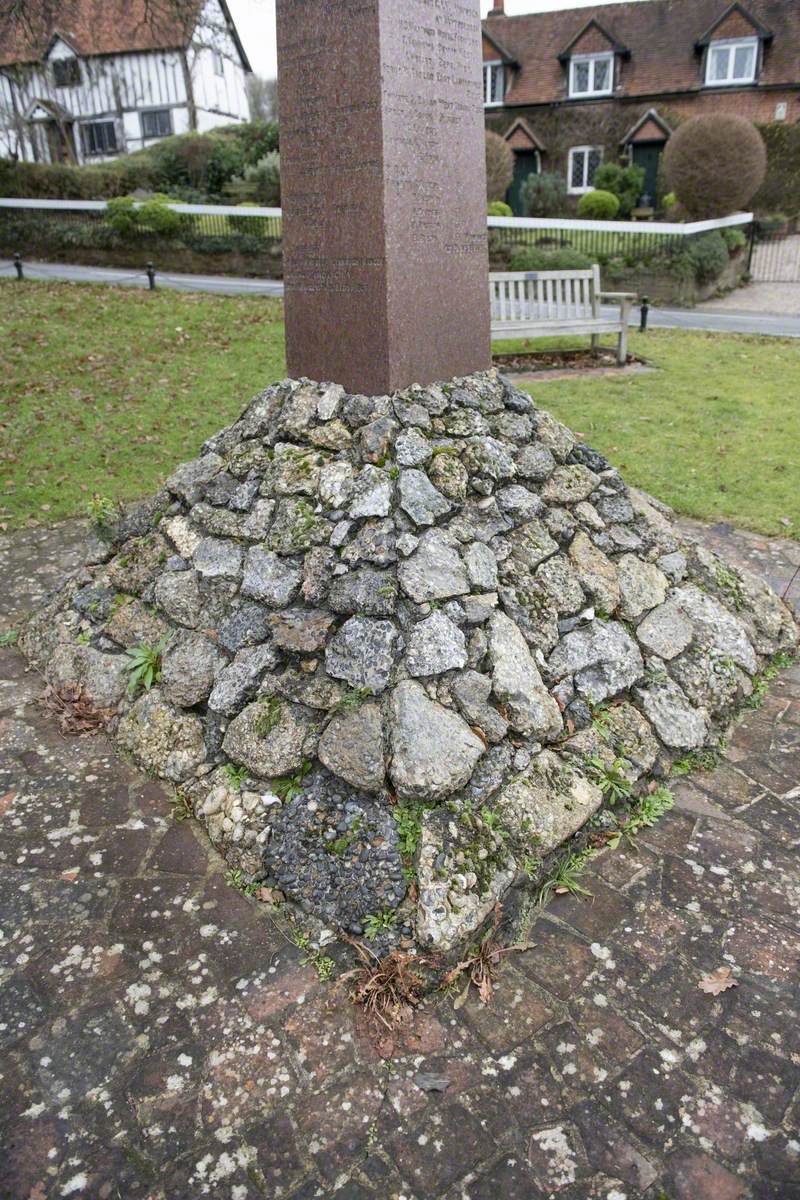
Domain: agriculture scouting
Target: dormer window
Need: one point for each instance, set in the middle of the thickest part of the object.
(591, 75)
(731, 62)
(66, 72)
(494, 84)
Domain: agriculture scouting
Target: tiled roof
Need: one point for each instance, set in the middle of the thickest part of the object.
(98, 27)
(660, 35)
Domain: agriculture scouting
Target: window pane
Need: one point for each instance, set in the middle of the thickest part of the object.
(719, 63)
(595, 158)
(580, 78)
(744, 62)
(602, 71)
(496, 84)
(157, 123)
(578, 167)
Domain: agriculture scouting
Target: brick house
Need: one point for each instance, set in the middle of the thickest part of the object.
(87, 80)
(571, 88)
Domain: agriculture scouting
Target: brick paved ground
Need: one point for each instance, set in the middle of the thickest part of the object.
(161, 1038)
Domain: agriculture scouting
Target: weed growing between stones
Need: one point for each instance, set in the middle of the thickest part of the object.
(387, 988)
(323, 964)
(144, 665)
(268, 716)
(287, 787)
(102, 511)
(563, 879)
(699, 760)
(643, 815)
(778, 663)
(235, 776)
(181, 807)
(612, 780)
(378, 923)
(236, 878)
(74, 710)
(479, 966)
(9, 637)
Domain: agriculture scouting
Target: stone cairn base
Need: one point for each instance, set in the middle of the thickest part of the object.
(404, 642)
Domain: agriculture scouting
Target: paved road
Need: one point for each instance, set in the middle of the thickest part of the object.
(773, 325)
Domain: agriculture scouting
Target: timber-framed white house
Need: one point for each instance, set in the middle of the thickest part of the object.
(100, 79)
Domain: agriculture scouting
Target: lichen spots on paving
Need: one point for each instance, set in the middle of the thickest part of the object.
(418, 639)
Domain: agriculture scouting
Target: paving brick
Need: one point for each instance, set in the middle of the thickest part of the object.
(698, 1177)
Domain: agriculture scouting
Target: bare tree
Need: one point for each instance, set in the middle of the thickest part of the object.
(262, 95)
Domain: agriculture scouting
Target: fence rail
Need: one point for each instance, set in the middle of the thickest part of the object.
(253, 233)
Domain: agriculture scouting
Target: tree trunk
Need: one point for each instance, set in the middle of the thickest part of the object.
(189, 86)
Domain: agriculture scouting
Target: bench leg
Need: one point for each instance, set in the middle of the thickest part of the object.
(622, 344)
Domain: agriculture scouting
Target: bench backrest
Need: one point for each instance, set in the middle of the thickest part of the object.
(545, 295)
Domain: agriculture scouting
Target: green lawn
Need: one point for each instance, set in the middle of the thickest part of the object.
(105, 390)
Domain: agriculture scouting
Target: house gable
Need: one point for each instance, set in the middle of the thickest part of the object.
(594, 38)
(734, 22)
(520, 136)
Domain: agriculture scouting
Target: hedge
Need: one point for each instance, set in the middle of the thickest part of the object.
(780, 191)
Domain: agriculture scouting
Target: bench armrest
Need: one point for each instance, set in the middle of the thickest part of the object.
(617, 296)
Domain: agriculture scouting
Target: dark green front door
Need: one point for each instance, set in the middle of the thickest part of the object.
(648, 156)
(526, 162)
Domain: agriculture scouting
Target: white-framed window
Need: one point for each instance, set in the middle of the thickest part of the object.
(494, 84)
(219, 62)
(99, 137)
(591, 75)
(583, 162)
(731, 62)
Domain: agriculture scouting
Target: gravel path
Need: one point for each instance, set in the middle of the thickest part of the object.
(162, 1039)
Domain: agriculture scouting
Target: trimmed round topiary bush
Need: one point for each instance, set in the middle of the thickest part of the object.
(598, 206)
(715, 164)
(499, 208)
(499, 166)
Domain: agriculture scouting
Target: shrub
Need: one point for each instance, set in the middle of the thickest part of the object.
(121, 216)
(154, 216)
(734, 239)
(702, 259)
(499, 208)
(499, 166)
(626, 183)
(544, 195)
(598, 206)
(715, 164)
(535, 259)
(262, 181)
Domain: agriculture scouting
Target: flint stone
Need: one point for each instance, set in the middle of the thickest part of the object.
(471, 692)
(334, 436)
(330, 401)
(478, 520)
(490, 458)
(561, 582)
(317, 690)
(603, 657)
(317, 566)
(615, 509)
(215, 557)
(596, 572)
(407, 544)
(449, 907)
(434, 752)
(352, 748)
(673, 565)
(517, 683)
(561, 524)
(134, 622)
(360, 409)
(677, 723)
(569, 485)
(295, 470)
(219, 522)
(269, 578)
(377, 439)
(161, 738)
(363, 652)
(589, 458)
(717, 627)
(296, 527)
(367, 591)
(531, 544)
(642, 586)
(179, 531)
(519, 504)
(481, 564)
(178, 595)
(191, 664)
(244, 626)
(420, 499)
(435, 645)
(449, 475)
(375, 542)
(709, 680)
(466, 422)
(512, 427)
(301, 630)
(190, 478)
(535, 463)
(282, 750)
(588, 515)
(412, 449)
(372, 493)
(666, 631)
(549, 803)
(434, 571)
(410, 413)
(103, 677)
(555, 436)
(237, 683)
(478, 609)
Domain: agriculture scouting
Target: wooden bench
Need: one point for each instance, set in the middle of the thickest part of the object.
(552, 303)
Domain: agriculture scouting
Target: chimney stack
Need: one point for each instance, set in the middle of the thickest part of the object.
(498, 8)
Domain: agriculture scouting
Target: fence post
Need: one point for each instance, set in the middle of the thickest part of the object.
(18, 265)
(645, 312)
(751, 246)
(151, 276)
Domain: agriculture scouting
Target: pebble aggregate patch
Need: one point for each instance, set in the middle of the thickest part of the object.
(160, 1037)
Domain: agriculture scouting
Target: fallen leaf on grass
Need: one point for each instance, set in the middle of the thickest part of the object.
(718, 981)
